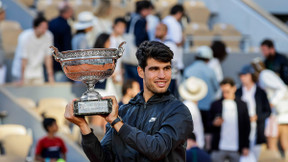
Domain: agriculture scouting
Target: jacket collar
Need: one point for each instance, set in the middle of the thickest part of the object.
(161, 97)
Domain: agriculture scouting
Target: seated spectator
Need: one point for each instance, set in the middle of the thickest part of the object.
(230, 125)
(32, 52)
(275, 61)
(258, 108)
(50, 147)
(130, 89)
(192, 90)
(83, 26)
(193, 152)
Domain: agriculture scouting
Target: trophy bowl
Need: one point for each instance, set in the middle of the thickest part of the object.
(89, 66)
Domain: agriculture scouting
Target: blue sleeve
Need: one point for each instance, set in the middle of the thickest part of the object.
(140, 32)
(95, 151)
(173, 132)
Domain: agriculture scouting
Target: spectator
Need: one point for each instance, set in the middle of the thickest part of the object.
(175, 31)
(219, 55)
(230, 125)
(155, 124)
(83, 26)
(278, 97)
(50, 147)
(161, 35)
(258, 108)
(193, 152)
(62, 33)
(138, 24)
(2, 53)
(201, 70)
(31, 52)
(275, 61)
(102, 24)
(130, 89)
(192, 90)
(116, 38)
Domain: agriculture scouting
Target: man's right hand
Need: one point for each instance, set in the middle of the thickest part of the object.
(217, 121)
(79, 121)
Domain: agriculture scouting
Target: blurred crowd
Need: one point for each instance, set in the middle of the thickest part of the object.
(230, 122)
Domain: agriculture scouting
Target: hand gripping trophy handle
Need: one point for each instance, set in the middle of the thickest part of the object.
(89, 66)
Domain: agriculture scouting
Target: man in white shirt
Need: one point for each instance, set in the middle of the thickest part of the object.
(31, 52)
(230, 125)
(175, 32)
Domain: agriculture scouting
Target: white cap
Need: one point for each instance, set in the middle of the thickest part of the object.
(204, 52)
(85, 20)
(193, 89)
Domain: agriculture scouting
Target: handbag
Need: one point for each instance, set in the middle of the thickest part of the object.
(129, 56)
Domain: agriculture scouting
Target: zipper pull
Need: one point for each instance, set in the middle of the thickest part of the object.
(145, 105)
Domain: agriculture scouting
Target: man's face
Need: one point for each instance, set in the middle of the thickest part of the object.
(246, 79)
(266, 51)
(160, 31)
(145, 12)
(53, 128)
(228, 91)
(156, 76)
(135, 89)
(120, 28)
(42, 28)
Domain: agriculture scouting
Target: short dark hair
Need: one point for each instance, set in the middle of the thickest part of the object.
(47, 122)
(267, 42)
(155, 50)
(101, 40)
(227, 81)
(140, 5)
(192, 136)
(219, 50)
(127, 85)
(119, 19)
(177, 8)
(38, 20)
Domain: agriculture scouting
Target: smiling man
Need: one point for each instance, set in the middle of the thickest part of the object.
(154, 124)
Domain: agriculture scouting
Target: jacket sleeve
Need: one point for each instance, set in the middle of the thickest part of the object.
(246, 123)
(173, 132)
(266, 110)
(140, 32)
(96, 151)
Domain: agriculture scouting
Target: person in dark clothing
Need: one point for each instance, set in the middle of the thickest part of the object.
(275, 61)
(230, 125)
(154, 124)
(194, 153)
(258, 107)
(61, 31)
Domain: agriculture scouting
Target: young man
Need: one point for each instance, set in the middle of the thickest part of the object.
(275, 61)
(155, 125)
(258, 107)
(50, 147)
(230, 125)
(32, 52)
(130, 89)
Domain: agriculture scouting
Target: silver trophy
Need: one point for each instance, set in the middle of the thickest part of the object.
(89, 66)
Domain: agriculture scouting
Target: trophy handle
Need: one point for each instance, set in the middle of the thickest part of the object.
(56, 54)
(120, 49)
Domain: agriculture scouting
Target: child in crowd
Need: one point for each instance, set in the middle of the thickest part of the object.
(50, 147)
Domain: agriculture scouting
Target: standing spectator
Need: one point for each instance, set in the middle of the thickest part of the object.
(175, 31)
(193, 152)
(219, 55)
(278, 97)
(137, 23)
(230, 125)
(62, 33)
(2, 52)
(201, 70)
(275, 61)
(102, 24)
(258, 107)
(161, 35)
(83, 26)
(31, 52)
(116, 38)
(192, 90)
(50, 147)
(130, 89)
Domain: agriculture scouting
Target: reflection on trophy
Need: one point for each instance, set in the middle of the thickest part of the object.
(89, 66)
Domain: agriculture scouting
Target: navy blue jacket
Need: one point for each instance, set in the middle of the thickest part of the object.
(140, 31)
(263, 111)
(195, 154)
(153, 131)
(278, 64)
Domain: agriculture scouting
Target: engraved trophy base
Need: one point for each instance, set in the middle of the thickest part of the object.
(92, 107)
